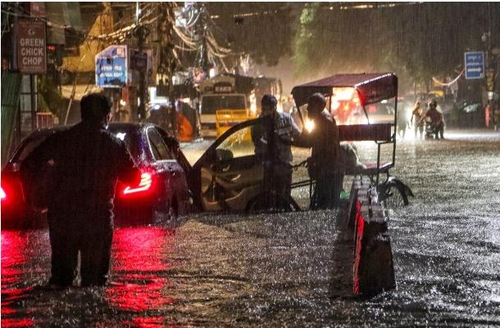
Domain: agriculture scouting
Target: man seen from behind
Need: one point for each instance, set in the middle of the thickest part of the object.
(86, 161)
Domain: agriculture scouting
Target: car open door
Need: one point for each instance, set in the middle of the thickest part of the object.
(229, 174)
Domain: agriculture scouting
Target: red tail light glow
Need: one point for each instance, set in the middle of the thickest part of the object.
(3, 196)
(144, 185)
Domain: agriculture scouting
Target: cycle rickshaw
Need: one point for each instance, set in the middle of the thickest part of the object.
(365, 109)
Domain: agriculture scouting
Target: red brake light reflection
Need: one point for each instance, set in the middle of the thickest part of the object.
(3, 196)
(145, 184)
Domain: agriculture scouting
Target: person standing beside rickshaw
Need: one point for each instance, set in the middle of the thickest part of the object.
(324, 164)
(273, 142)
(418, 124)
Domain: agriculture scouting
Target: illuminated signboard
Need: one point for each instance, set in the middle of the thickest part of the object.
(223, 87)
(111, 67)
(474, 65)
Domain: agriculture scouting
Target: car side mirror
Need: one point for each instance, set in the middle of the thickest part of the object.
(223, 154)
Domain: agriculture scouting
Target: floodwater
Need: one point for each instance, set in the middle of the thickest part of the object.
(294, 269)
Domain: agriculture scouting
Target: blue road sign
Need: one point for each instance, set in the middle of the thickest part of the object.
(111, 67)
(474, 65)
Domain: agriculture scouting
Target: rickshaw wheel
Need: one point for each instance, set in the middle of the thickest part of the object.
(394, 193)
(395, 199)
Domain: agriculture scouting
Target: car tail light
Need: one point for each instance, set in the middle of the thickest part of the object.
(11, 191)
(144, 186)
(3, 196)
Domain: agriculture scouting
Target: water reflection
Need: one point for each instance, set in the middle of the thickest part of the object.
(139, 283)
(18, 250)
(12, 255)
(139, 269)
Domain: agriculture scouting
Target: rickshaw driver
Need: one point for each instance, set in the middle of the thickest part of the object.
(324, 165)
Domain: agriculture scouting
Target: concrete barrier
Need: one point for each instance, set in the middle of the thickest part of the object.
(373, 269)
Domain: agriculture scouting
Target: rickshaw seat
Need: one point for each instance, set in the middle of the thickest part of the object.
(370, 169)
(380, 133)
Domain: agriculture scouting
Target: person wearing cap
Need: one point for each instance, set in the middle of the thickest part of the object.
(324, 164)
(273, 144)
(86, 160)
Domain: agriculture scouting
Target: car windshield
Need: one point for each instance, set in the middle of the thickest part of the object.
(209, 104)
(28, 148)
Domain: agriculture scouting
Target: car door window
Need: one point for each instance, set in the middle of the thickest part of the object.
(239, 144)
(158, 147)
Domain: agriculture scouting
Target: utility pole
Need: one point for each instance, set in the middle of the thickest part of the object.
(201, 31)
(167, 55)
(490, 78)
(141, 33)
(142, 78)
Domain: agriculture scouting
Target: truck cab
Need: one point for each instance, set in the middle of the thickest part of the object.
(224, 104)
(224, 101)
(228, 99)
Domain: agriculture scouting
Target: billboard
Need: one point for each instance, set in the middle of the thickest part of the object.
(31, 46)
(111, 67)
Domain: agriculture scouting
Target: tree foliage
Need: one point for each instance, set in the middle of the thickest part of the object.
(417, 41)
(262, 30)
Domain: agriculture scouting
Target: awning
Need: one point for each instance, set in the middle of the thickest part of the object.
(372, 87)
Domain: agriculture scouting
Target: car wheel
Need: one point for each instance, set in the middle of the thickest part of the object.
(173, 211)
(166, 211)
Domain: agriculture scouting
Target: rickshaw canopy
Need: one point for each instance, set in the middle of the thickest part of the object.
(371, 87)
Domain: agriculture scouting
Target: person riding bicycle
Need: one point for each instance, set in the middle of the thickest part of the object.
(273, 140)
(436, 120)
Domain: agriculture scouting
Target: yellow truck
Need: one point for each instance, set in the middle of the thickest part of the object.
(225, 100)
(226, 118)
(228, 99)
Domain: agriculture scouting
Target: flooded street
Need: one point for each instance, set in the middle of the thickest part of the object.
(294, 269)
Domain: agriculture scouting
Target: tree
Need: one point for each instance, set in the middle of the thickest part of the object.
(264, 31)
(418, 41)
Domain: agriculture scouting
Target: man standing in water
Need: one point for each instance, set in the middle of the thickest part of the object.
(273, 141)
(85, 162)
(324, 164)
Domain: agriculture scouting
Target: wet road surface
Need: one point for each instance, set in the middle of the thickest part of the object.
(292, 270)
